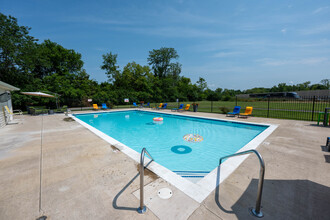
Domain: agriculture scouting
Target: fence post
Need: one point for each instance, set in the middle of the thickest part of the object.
(313, 108)
(212, 106)
(268, 107)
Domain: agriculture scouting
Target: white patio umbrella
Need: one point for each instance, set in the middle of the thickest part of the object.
(38, 94)
(42, 94)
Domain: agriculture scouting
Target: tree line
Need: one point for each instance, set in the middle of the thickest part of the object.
(49, 67)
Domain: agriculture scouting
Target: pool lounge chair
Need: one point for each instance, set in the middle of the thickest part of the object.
(8, 119)
(104, 106)
(160, 105)
(177, 109)
(136, 106)
(236, 111)
(147, 105)
(163, 107)
(15, 112)
(187, 107)
(248, 112)
(95, 107)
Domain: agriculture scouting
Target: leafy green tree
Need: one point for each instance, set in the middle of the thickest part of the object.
(134, 79)
(326, 83)
(303, 86)
(184, 87)
(257, 90)
(201, 84)
(110, 66)
(229, 94)
(16, 50)
(317, 87)
(160, 60)
(52, 58)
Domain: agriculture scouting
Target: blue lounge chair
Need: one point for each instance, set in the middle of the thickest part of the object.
(104, 106)
(178, 109)
(147, 105)
(236, 111)
(135, 105)
(163, 107)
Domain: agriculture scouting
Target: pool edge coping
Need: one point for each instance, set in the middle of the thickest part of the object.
(197, 191)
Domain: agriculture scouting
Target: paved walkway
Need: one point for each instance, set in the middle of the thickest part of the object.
(82, 177)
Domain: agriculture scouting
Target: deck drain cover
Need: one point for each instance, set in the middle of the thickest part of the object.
(165, 193)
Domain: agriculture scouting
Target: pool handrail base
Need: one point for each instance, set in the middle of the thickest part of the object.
(256, 212)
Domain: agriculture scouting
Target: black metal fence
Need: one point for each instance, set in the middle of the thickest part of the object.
(304, 108)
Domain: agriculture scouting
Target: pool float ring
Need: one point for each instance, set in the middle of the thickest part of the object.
(193, 138)
(158, 119)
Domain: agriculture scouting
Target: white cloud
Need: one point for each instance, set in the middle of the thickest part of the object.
(313, 60)
(95, 20)
(172, 31)
(317, 29)
(283, 30)
(226, 54)
(180, 16)
(304, 61)
(321, 9)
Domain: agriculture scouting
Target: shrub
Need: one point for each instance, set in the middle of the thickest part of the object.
(224, 110)
(110, 105)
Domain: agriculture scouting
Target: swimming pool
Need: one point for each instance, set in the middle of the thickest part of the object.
(164, 140)
(131, 130)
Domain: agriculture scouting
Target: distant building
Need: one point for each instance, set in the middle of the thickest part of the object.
(289, 95)
(295, 95)
(317, 93)
(5, 100)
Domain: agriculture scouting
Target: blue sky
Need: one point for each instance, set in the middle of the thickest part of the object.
(232, 44)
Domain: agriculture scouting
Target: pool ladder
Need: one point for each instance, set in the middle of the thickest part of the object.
(142, 209)
(256, 212)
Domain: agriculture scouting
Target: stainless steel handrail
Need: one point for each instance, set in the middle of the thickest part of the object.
(256, 212)
(142, 209)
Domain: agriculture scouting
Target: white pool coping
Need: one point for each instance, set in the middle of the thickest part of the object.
(197, 191)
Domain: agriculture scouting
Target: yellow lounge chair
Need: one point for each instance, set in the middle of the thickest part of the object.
(8, 119)
(95, 107)
(15, 112)
(187, 107)
(248, 112)
(8, 110)
(160, 105)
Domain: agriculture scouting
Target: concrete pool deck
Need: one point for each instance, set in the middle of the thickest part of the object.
(83, 177)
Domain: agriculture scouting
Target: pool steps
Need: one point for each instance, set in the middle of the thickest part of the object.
(192, 174)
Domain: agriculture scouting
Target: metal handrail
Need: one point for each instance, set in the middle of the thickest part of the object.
(142, 209)
(256, 212)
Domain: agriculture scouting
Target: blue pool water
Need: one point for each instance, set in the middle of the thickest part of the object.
(165, 142)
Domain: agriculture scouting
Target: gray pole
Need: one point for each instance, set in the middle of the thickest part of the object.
(257, 211)
(142, 209)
